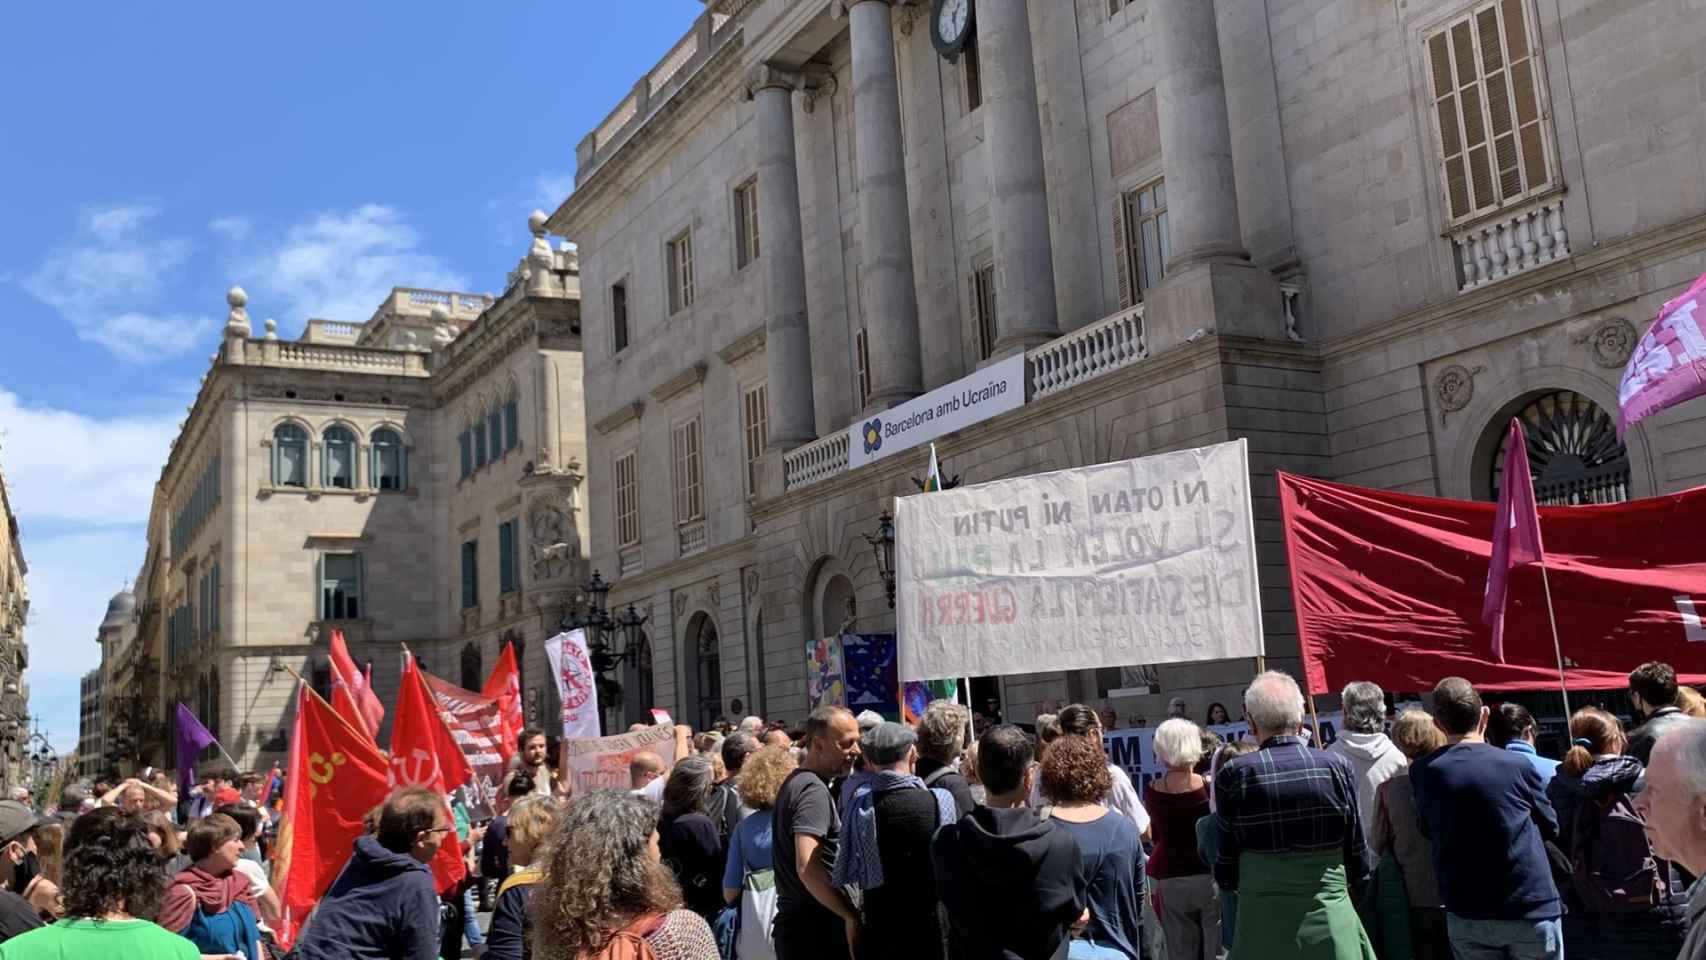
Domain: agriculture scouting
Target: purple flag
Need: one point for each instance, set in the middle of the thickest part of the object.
(193, 738)
(1516, 534)
(1669, 363)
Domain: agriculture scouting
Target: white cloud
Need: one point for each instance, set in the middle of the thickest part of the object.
(231, 228)
(69, 467)
(340, 265)
(552, 188)
(112, 268)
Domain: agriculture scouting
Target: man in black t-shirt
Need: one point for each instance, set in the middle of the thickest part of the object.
(814, 918)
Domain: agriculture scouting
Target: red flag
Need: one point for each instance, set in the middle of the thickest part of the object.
(504, 686)
(343, 703)
(336, 776)
(1387, 588)
(1516, 534)
(360, 684)
(478, 726)
(424, 754)
(271, 785)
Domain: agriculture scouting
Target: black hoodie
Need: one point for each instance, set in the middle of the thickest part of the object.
(381, 907)
(1011, 883)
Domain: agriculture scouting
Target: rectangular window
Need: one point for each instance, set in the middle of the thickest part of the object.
(340, 586)
(479, 444)
(689, 502)
(214, 610)
(619, 317)
(508, 581)
(627, 502)
(983, 308)
(973, 75)
(681, 272)
(1142, 242)
(746, 223)
(495, 433)
(465, 445)
(1486, 79)
(1115, 6)
(862, 367)
(470, 574)
(755, 423)
(512, 424)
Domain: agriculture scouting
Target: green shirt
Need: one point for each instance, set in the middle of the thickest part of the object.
(83, 937)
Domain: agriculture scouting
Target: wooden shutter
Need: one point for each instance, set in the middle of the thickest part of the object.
(1122, 253)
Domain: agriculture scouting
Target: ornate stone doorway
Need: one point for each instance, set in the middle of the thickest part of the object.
(1573, 451)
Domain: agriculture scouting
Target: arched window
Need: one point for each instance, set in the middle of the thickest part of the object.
(289, 456)
(1573, 451)
(705, 670)
(340, 458)
(471, 679)
(495, 433)
(390, 467)
(512, 424)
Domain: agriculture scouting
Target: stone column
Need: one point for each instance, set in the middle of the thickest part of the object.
(887, 296)
(1018, 207)
(787, 334)
(1196, 141)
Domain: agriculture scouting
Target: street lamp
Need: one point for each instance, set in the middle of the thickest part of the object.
(882, 544)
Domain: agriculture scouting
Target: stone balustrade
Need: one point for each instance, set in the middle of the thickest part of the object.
(320, 356)
(332, 331)
(448, 299)
(629, 560)
(1088, 352)
(672, 63)
(692, 537)
(1516, 241)
(818, 460)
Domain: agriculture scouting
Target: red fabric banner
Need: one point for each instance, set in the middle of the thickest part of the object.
(504, 686)
(360, 684)
(477, 724)
(1388, 587)
(424, 754)
(335, 776)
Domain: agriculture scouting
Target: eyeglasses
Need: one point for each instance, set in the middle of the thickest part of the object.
(439, 830)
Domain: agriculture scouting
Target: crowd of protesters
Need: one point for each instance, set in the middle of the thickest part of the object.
(1429, 835)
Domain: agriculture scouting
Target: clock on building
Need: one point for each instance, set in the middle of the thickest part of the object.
(951, 23)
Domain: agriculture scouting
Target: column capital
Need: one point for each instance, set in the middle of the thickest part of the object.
(839, 8)
(763, 76)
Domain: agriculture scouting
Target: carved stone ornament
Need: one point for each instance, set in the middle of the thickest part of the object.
(553, 538)
(679, 604)
(752, 583)
(714, 594)
(1454, 388)
(1611, 342)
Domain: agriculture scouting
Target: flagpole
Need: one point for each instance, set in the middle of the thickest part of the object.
(1557, 648)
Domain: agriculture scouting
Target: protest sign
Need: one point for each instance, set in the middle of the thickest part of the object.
(1142, 561)
(1133, 749)
(826, 682)
(577, 686)
(601, 763)
(869, 659)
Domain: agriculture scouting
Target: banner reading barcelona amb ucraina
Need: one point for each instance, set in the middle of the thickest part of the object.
(1146, 561)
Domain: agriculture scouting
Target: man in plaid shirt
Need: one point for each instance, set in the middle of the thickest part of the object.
(1286, 798)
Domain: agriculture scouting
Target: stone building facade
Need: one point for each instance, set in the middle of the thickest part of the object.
(91, 726)
(1360, 235)
(14, 653)
(411, 480)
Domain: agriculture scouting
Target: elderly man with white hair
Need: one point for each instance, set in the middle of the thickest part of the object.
(1674, 806)
(1291, 837)
(1363, 742)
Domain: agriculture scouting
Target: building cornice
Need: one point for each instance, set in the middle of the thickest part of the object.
(745, 345)
(635, 585)
(624, 414)
(683, 381)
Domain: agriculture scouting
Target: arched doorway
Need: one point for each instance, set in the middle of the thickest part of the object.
(471, 679)
(1574, 454)
(638, 693)
(835, 606)
(703, 671)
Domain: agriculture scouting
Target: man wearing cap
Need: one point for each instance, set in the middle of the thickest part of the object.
(17, 915)
(862, 773)
(885, 847)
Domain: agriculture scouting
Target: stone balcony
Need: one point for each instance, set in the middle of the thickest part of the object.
(1095, 350)
(1510, 242)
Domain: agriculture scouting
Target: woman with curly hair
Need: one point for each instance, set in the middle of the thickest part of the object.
(605, 890)
(113, 885)
(749, 878)
(1076, 781)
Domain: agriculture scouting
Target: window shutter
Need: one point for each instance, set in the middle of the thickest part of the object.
(325, 594)
(1122, 254)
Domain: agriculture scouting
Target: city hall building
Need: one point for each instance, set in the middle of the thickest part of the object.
(1360, 235)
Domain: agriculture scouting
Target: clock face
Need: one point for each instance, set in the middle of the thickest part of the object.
(951, 21)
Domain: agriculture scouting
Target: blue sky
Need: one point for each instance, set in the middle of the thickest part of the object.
(151, 155)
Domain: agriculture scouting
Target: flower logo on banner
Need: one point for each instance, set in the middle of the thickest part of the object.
(874, 435)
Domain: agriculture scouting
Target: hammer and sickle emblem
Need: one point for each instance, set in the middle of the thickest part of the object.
(321, 770)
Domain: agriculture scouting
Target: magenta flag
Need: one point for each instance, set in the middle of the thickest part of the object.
(192, 739)
(1669, 364)
(1516, 534)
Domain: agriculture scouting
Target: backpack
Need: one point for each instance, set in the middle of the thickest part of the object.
(630, 942)
(726, 809)
(1613, 868)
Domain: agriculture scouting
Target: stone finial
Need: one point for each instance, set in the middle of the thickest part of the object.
(536, 222)
(237, 320)
(272, 330)
(539, 252)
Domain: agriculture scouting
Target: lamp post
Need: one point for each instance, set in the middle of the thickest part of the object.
(882, 544)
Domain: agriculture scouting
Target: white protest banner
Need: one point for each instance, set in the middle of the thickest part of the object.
(1142, 561)
(990, 392)
(601, 763)
(576, 684)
